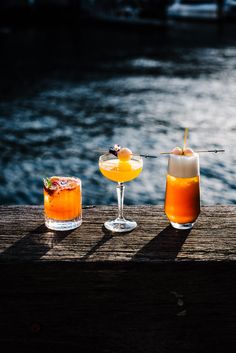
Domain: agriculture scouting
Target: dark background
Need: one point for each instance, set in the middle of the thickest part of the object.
(71, 85)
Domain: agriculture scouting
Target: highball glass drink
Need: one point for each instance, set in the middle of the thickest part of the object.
(62, 203)
(182, 200)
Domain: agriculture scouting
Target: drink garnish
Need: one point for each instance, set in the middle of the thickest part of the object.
(182, 152)
(114, 150)
(197, 151)
(177, 150)
(124, 154)
(187, 151)
(47, 183)
(50, 184)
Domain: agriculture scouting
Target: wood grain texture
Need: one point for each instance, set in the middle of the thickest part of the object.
(23, 237)
(154, 290)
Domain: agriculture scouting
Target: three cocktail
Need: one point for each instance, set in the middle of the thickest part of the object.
(120, 165)
(62, 203)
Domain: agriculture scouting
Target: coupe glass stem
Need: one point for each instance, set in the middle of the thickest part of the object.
(120, 196)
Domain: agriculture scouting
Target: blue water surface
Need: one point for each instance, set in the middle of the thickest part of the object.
(66, 95)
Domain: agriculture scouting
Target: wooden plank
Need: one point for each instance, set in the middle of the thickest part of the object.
(25, 238)
(153, 290)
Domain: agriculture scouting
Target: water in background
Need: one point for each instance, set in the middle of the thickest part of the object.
(65, 94)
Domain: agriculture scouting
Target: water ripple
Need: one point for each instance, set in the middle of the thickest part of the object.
(142, 101)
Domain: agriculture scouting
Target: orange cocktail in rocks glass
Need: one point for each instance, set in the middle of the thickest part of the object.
(121, 166)
(62, 203)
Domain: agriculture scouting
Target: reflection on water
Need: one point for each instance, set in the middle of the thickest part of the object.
(67, 95)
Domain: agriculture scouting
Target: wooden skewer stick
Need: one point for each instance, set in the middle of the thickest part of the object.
(185, 137)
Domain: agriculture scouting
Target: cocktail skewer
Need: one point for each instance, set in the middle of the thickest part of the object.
(163, 153)
(145, 155)
(199, 151)
(213, 151)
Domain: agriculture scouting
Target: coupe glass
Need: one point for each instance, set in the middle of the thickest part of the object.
(120, 171)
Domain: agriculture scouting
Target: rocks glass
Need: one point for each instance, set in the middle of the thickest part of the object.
(62, 203)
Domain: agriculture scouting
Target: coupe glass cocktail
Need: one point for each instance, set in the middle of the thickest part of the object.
(120, 170)
(182, 199)
(62, 203)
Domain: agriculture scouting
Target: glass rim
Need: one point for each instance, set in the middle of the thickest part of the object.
(77, 179)
(112, 155)
(64, 176)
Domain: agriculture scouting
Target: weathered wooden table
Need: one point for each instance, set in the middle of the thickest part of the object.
(152, 290)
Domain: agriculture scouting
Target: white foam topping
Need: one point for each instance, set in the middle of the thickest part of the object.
(183, 166)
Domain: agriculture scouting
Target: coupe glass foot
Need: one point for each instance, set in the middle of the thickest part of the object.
(120, 225)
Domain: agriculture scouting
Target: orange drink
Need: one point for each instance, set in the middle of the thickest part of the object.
(62, 203)
(120, 165)
(120, 171)
(182, 199)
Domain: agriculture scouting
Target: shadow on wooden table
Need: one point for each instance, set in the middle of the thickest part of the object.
(107, 236)
(165, 246)
(34, 244)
